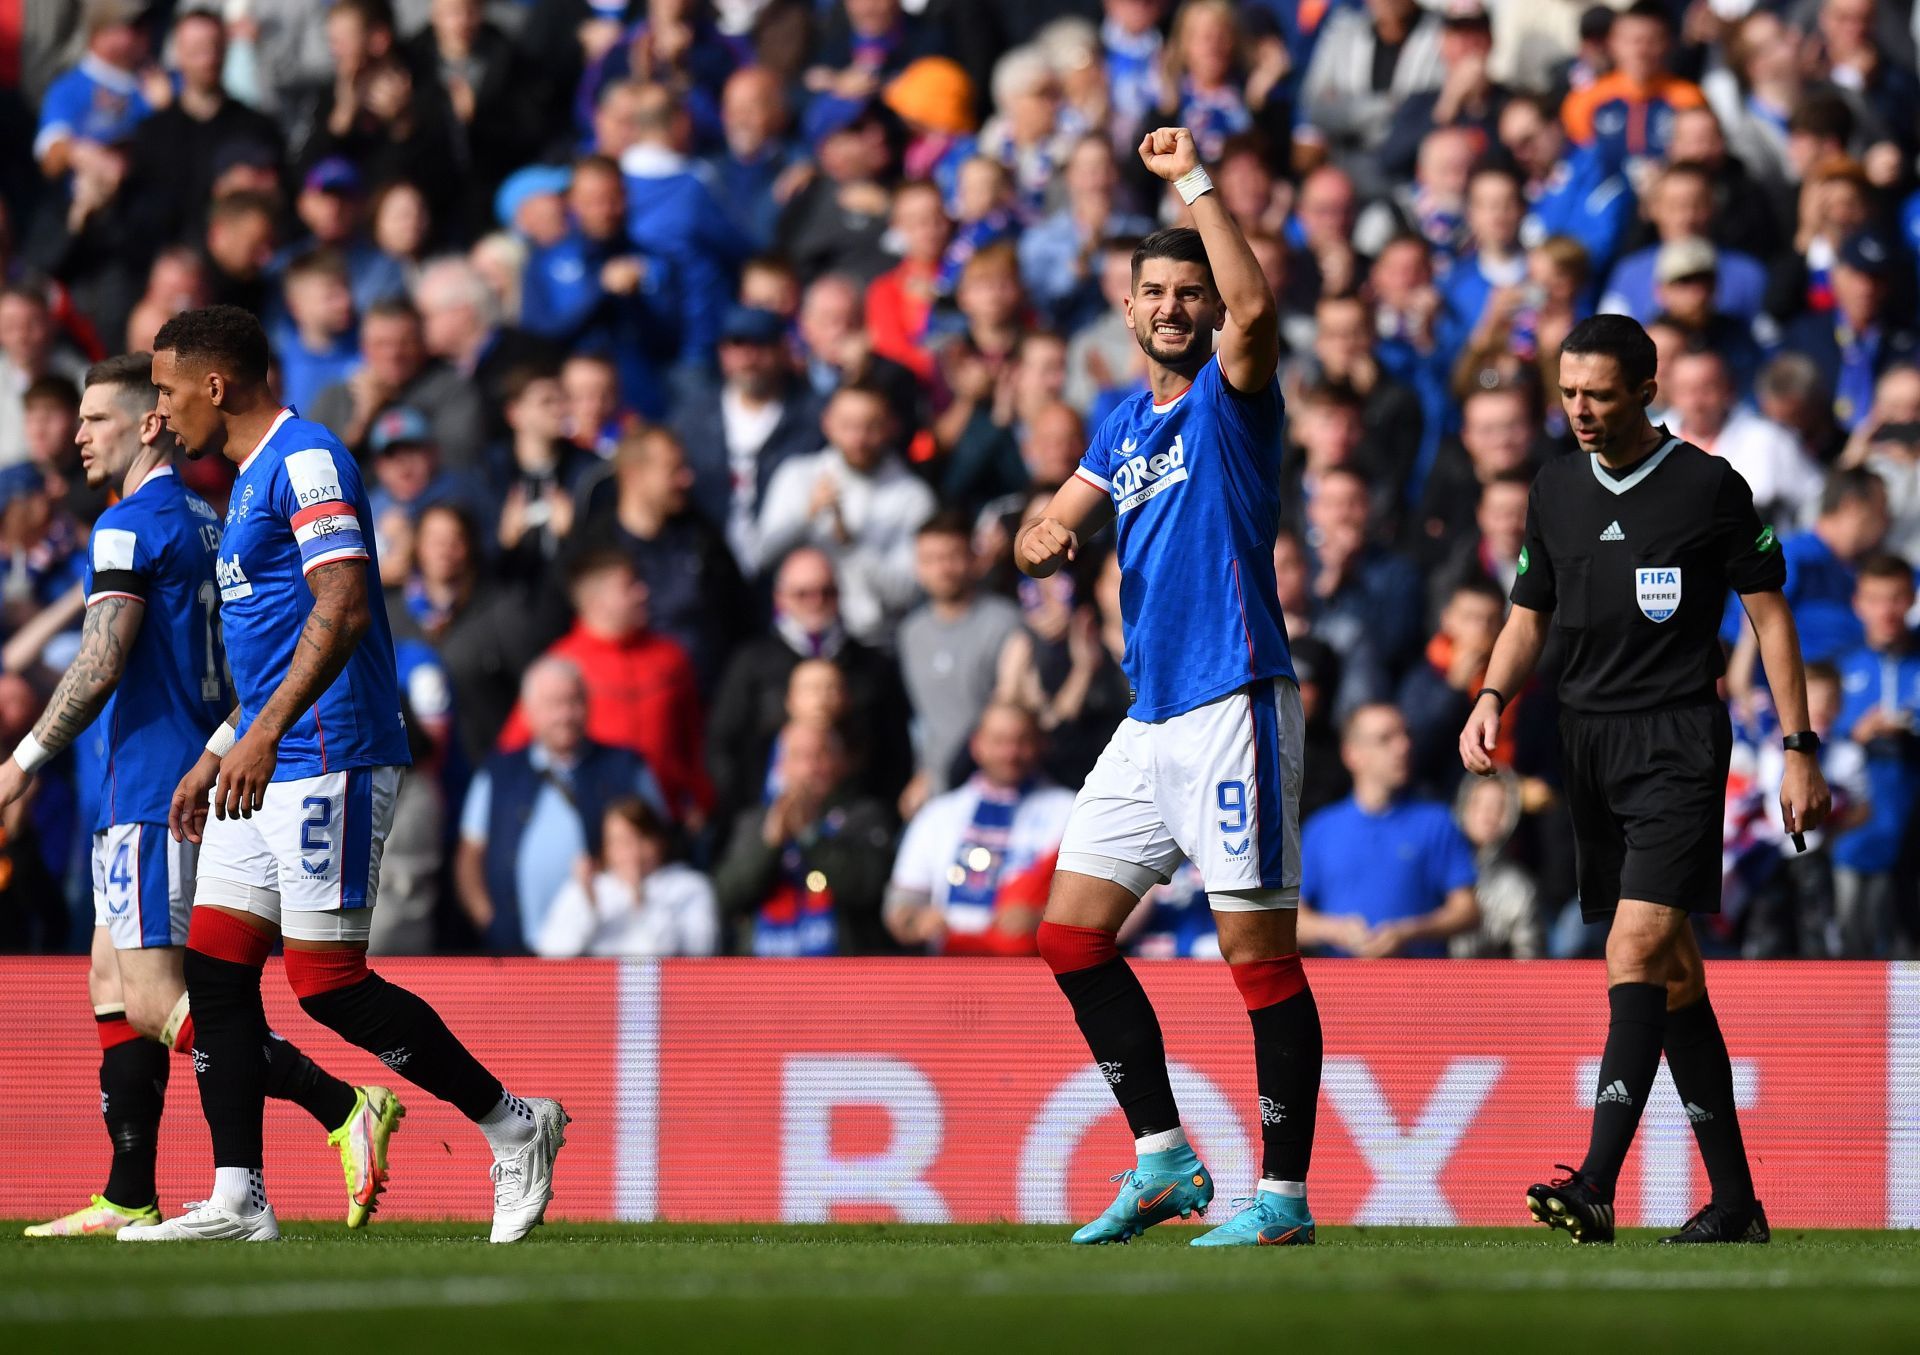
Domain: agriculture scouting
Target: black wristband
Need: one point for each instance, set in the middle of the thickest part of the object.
(1806, 741)
(1500, 700)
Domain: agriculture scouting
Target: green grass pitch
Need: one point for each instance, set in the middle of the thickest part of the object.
(981, 1290)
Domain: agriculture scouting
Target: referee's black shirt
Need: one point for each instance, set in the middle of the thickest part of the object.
(1635, 565)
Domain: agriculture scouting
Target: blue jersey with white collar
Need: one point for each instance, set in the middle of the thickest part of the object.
(157, 546)
(1195, 485)
(93, 101)
(298, 504)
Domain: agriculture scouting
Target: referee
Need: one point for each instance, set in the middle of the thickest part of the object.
(1630, 550)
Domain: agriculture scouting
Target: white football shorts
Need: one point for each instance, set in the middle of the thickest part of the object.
(1218, 785)
(309, 859)
(142, 885)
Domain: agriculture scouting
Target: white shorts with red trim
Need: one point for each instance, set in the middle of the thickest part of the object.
(313, 846)
(1218, 785)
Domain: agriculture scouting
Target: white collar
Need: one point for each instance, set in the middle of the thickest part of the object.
(1647, 468)
(158, 472)
(651, 162)
(265, 438)
(101, 73)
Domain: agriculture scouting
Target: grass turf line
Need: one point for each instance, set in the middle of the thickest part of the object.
(931, 1289)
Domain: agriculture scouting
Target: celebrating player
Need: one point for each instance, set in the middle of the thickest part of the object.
(307, 770)
(1207, 764)
(1630, 550)
(159, 686)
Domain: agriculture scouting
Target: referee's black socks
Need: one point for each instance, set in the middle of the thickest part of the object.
(1112, 1011)
(1703, 1075)
(1627, 1069)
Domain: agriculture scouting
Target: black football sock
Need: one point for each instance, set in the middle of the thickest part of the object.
(1703, 1075)
(1113, 1013)
(229, 1054)
(1286, 1058)
(1627, 1069)
(133, 1092)
(407, 1035)
(292, 1076)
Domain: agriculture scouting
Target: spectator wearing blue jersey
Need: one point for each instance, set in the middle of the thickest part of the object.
(1880, 711)
(1569, 191)
(758, 167)
(1821, 579)
(1867, 331)
(1360, 588)
(1488, 282)
(530, 815)
(1060, 253)
(1383, 873)
(593, 291)
(1680, 207)
(672, 214)
(101, 101)
(317, 343)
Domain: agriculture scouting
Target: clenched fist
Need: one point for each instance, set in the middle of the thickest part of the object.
(1044, 545)
(1169, 152)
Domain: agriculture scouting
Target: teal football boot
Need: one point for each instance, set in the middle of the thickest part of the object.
(1162, 1186)
(1266, 1220)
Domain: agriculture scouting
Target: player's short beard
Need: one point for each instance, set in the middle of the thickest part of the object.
(1199, 349)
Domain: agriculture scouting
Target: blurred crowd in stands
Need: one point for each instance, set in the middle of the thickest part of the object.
(703, 358)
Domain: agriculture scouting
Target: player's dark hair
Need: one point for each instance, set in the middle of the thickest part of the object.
(226, 337)
(1885, 565)
(948, 522)
(1854, 484)
(130, 375)
(1618, 337)
(1182, 244)
(53, 389)
(590, 562)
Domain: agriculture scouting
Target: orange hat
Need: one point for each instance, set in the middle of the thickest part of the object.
(935, 93)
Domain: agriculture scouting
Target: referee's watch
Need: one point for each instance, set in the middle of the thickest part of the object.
(1806, 741)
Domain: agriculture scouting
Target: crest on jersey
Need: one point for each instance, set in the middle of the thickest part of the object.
(1657, 590)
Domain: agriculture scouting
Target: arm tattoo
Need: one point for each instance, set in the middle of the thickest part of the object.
(340, 616)
(94, 672)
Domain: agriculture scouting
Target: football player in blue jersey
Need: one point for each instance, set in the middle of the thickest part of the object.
(303, 777)
(1207, 764)
(151, 672)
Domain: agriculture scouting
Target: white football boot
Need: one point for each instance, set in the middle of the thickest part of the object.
(207, 1222)
(523, 1180)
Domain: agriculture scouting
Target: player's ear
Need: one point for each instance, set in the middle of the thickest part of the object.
(152, 428)
(216, 389)
(1647, 392)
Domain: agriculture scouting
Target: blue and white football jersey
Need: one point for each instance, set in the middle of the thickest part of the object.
(158, 545)
(298, 504)
(1195, 485)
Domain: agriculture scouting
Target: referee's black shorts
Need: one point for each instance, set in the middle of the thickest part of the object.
(1648, 796)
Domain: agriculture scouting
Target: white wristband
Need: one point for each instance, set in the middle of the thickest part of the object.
(31, 755)
(221, 741)
(1192, 184)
